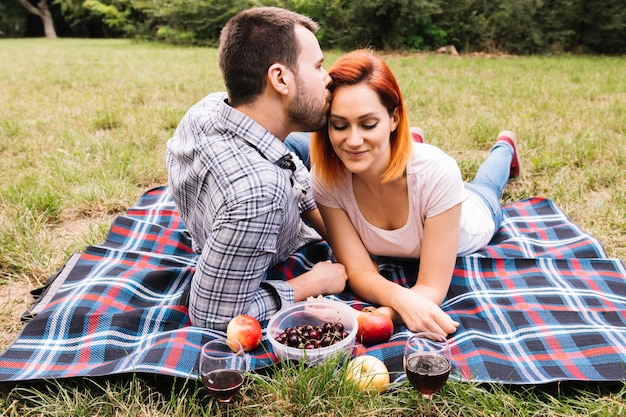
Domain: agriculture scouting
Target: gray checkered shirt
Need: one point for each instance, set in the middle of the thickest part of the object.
(241, 209)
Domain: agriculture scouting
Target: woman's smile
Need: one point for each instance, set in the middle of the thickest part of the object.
(355, 154)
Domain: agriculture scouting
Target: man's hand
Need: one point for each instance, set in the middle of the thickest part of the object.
(324, 278)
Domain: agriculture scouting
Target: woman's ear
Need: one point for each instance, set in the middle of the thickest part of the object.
(395, 119)
(279, 78)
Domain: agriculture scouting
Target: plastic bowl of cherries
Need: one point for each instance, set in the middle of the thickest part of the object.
(311, 331)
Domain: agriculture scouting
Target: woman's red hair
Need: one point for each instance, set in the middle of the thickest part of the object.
(357, 67)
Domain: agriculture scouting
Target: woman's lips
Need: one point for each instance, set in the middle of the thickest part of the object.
(355, 155)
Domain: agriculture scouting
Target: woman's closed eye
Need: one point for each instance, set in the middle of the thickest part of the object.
(336, 126)
(366, 126)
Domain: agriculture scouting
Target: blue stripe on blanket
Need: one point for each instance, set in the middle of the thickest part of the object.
(541, 303)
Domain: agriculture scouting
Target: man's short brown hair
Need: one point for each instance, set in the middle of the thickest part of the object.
(251, 42)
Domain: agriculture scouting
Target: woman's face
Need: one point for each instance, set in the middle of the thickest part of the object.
(359, 127)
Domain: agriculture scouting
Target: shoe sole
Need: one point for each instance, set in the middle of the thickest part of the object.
(510, 138)
(417, 134)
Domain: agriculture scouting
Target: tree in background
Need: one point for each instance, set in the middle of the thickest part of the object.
(602, 25)
(508, 26)
(396, 24)
(42, 10)
(192, 21)
(332, 17)
(83, 21)
(185, 22)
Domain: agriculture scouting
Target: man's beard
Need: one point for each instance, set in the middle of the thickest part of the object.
(306, 112)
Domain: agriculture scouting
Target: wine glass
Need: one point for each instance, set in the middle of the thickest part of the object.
(222, 364)
(427, 362)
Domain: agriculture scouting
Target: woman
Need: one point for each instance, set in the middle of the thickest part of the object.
(382, 193)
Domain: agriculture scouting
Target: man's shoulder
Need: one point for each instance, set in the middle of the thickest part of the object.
(208, 106)
(213, 98)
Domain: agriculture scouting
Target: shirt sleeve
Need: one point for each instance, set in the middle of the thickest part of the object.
(230, 274)
(445, 189)
(322, 194)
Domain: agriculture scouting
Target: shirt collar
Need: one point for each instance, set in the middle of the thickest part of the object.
(255, 135)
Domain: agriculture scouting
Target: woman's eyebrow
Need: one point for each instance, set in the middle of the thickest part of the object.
(365, 116)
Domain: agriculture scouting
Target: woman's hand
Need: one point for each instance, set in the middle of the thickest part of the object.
(419, 314)
(417, 307)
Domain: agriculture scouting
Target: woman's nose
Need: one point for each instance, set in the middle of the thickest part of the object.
(354, 137)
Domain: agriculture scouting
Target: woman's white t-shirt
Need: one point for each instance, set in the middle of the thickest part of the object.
(434, 185)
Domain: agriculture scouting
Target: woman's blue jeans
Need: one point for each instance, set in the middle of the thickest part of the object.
(492, 177)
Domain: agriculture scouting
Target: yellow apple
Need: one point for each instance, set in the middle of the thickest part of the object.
(369, 373)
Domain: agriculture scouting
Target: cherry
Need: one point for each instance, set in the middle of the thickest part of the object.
(308, 336)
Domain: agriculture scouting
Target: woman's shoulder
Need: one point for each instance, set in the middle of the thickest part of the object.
(327, 194)
(426, 155)
(436, 177)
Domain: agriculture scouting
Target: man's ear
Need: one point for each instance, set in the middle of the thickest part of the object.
(279, 78)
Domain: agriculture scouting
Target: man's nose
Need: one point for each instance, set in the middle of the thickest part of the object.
(327, 79)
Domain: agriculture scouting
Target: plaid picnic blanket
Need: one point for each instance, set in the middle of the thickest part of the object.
(541, 303)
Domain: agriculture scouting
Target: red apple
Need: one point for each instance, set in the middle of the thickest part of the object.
(374, 328)
(246, 330)
(369, 373)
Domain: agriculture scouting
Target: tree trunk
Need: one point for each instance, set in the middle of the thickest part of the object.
(43, 11)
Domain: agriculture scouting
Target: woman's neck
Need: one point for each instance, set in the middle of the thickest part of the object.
(374, 186)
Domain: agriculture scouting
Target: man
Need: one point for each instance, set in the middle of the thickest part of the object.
(241, 193)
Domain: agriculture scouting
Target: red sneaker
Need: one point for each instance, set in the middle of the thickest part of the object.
(510, 138)
(417, 133)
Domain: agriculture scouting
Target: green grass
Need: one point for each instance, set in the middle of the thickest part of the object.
(295, 390)
(83, 129)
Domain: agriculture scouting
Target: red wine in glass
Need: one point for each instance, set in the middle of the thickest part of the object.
(427, 372)
(221, 367)
(223, 384)
(427, 363)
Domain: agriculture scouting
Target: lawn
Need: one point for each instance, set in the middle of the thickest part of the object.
(83, 130)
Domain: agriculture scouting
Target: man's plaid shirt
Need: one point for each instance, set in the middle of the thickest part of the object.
(241, 209)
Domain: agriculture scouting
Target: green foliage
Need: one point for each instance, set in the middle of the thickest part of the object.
(103, 17)
(536, 26)
(12, 19)
(396, 24)
(507, 25)
(382, 24)
(603, 26)
(513, 26)
(332, 16)
(174, 36)
(113, 17)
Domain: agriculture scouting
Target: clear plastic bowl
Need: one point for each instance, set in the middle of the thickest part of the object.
(314, 313)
